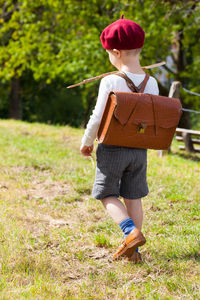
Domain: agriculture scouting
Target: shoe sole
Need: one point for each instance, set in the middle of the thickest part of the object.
(136, 260)
(131, 247)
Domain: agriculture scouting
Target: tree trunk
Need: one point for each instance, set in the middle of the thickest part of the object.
(86, 114)
(15, 100)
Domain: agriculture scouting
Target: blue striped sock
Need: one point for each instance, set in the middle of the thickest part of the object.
(127, 226)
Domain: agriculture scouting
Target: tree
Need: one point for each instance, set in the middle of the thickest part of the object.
(58, 40)
(168, 25)
(50, 39)
(30, 35)
(173, 27)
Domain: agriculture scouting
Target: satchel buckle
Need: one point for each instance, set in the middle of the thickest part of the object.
(141, 128)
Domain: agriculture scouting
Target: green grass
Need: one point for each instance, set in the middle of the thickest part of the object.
(56, 241)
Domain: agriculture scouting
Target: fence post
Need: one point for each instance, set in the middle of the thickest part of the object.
(174, 92)
(188, 142)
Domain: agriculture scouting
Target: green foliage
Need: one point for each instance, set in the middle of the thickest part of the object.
(56, 42)
(52, 104)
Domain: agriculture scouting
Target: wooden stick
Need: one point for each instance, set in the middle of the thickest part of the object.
(109, 73)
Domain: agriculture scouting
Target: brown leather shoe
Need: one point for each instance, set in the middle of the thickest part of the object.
(136, 258)
(134, 240)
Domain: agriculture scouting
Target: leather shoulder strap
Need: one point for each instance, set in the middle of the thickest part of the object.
(131, 85)
(142, 85)
(129, 82)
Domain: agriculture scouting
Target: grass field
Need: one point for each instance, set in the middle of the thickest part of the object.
(56, 241)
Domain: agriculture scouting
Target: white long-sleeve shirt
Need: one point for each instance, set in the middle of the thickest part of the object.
(116, 84)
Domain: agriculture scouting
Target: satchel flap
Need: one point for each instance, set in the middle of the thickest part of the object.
(167, 111)
(147, 121)
(137, 108)
(126, 103)
(134, 108)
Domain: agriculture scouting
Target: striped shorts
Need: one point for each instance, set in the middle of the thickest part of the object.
(120, 171)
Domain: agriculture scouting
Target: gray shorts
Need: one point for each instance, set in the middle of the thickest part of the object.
(120, 171)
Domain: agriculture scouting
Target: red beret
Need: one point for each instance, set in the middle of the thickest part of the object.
(123, 34)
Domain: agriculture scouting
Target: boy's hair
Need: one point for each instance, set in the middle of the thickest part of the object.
(132, 52)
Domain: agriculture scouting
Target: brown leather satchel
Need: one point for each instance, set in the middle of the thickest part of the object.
(139, 120)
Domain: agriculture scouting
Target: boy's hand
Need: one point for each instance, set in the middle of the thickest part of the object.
(87, 150)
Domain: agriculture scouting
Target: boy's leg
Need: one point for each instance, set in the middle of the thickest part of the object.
(119, 214)
(115, 209)
(134, 210)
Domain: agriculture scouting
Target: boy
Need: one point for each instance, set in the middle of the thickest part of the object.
(121, 171)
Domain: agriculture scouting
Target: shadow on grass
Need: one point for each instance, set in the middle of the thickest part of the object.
(195, 256)
(187, 156)
(185, 257)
